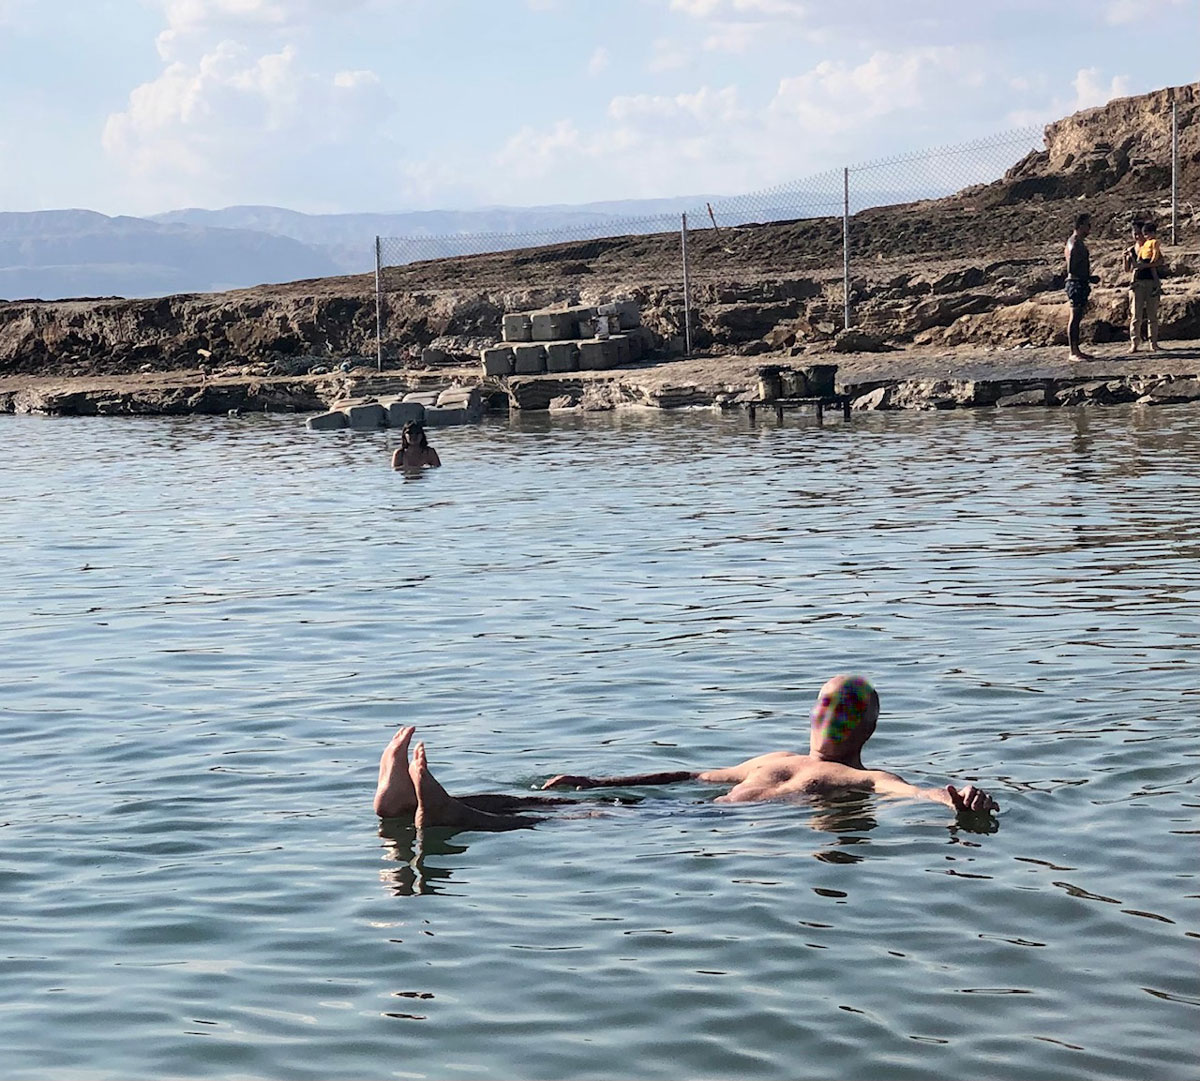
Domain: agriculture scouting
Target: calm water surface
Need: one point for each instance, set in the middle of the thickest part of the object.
(209, 628)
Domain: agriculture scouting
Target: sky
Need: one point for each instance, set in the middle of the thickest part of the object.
(142, 106)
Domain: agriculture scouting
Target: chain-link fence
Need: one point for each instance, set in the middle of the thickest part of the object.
(726, 269)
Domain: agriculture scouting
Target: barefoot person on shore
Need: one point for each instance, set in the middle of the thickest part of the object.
(1146, 288)
(1129, 261)
(842, 721)
(1080, 280)
(414, 452)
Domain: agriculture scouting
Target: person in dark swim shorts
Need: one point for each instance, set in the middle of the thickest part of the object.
(1079, 282)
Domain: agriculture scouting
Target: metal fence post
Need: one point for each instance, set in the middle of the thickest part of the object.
(687, 303)
(846, 248)
(1174, 170)
(378, 306)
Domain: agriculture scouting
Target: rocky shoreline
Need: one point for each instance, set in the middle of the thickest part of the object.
(956, 303)
(899, 379)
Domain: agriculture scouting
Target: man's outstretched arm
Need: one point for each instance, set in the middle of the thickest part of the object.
(574, 780)
(968, 800)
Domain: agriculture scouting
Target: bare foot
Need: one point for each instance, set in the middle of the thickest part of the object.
(1082, 356)
(394, 795)
(436, 807)
(1133, 348)
(1155, 347)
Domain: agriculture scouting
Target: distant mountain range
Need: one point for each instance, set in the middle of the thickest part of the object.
(56, 254)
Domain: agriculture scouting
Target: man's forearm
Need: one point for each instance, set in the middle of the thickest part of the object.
(573, 780)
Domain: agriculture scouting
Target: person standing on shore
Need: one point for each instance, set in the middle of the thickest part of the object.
(1080, 280)
(1129, 263)
(1146, 288)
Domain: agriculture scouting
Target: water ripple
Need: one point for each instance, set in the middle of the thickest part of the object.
(210, 638)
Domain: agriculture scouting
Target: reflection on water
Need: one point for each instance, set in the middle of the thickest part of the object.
(211, 628)
(408, 848)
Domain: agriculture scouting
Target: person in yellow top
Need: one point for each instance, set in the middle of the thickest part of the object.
(1146, 288)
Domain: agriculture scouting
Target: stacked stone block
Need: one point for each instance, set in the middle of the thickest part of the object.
(433, 408)
(579, 338)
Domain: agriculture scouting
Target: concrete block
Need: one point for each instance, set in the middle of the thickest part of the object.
(821, 379)
(400, 413)
(581, 317)
(794, 384)
(345, 403)
(425, 397)
(627, 313)
(562, 357)
(623, 350)
(597, 355)
(441, 418)
(637, 348)
(367, 417)
(606, 325)
(431, 357)
(518, 327)
(497, 360)
(464, 397)
(553, 326)
(327, 422)
(469, 399)
(529, 359)
(647, 337)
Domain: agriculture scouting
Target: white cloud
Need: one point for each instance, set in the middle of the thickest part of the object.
(532, 153)
(705, 108)
(1124, 12)
(194, 25)
(700, 9)
(1085, 90)
(599, 61)
(1090, 89)
(836, 96)
(204, 126)
(836, 112)
(735, 38)
(731, 9)
(667, 55)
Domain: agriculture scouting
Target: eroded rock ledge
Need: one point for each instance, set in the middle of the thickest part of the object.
(896, 379)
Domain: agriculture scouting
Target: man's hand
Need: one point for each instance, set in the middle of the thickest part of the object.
(970, 800)
(564, 780)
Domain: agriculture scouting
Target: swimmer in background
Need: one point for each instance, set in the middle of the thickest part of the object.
(842, 721)
(414, 452)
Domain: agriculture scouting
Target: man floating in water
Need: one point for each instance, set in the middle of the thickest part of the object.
(843, 719)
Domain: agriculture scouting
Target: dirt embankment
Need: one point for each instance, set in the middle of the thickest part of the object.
(975, 272)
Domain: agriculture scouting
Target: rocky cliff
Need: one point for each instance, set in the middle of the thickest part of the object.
(979, 268)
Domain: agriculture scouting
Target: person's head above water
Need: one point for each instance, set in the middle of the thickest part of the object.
(413, 434)
(843, 718)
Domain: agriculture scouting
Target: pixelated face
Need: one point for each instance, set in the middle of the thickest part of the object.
(844, 712)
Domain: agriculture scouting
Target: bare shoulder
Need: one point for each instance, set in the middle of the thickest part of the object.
(771, 760)
(888, 783)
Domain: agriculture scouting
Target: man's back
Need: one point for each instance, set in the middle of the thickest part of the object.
(1079, 260)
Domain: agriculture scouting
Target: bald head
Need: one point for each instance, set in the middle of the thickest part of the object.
(843, 719)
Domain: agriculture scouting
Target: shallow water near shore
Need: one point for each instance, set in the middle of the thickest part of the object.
(210, 629)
